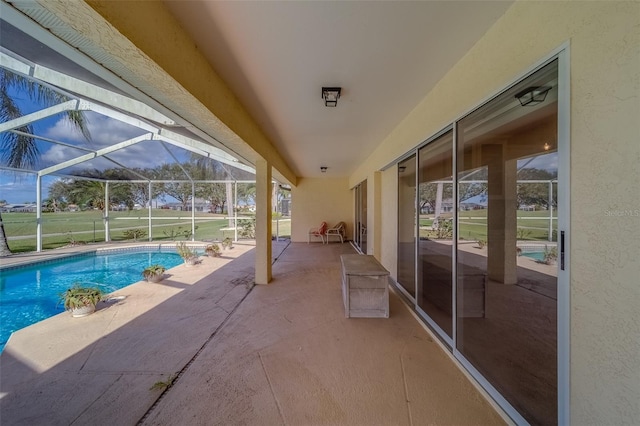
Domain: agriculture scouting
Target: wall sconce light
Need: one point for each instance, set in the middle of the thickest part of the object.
(323, 169)
(533, 95)
(331, 96)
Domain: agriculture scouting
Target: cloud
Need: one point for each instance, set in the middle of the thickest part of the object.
(104, 131)
(17, 189)
(147, 154)
(57, 154)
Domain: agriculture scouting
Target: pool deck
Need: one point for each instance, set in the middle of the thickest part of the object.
(234, 353)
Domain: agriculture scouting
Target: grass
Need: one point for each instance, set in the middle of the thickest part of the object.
(59, 229)
(532, 226)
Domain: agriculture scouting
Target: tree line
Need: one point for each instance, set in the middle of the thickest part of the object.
(88, 188)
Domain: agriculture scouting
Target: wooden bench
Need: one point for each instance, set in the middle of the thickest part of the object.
(365, 289)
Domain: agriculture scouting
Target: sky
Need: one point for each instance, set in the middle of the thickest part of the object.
(16, 188)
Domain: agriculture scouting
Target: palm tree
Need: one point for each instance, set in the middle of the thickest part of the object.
(18, 150)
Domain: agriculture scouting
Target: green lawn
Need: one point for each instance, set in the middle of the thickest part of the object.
(473, 225)
(88, 226)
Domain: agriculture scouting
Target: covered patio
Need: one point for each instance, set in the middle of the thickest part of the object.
(237, 354)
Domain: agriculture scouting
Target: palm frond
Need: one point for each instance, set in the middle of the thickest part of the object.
(22, 151)
(19, 151)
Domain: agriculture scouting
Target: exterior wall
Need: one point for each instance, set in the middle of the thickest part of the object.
(315, 200)
(604, 39)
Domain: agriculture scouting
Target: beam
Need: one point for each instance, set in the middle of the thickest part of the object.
(95, 154)
(42, 138)
(201, 148)
(173, 138)
(72, 105)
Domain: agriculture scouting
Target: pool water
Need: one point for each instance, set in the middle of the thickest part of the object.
(31, 293)
(536, 255)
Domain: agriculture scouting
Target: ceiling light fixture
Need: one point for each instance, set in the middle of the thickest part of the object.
(533, 95)
(331, 96)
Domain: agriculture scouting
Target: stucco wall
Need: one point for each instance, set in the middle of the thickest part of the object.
(389, 212)
(604, 39)
(320, 199)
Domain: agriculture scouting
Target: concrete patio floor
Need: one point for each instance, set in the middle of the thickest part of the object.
(282, 354)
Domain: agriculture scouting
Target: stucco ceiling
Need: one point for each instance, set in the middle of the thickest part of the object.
(386, 56)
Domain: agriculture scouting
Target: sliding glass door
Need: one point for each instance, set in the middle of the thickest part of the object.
(407, 225)
(506, 257)
(360, 229)
(436, 217)
(479, 248)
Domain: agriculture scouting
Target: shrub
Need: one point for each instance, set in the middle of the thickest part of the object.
(152, 270)
(212, 250)
(134, 234)
(173, 233)
(78, 296)
(227, 243)
(247, 228)
(522, 233)
(185, 251)
(550, 255)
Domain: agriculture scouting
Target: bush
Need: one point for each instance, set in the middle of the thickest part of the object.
(134, 234)
(173, 234)
(523, 234)
(152, 270)
(185, 251)
(227, 243)
(247, 228)
(445, 229)
(77, 296)
(550, 255)
(212, 250)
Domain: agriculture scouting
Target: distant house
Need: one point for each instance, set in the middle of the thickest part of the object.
(200, 206)
(18, 208)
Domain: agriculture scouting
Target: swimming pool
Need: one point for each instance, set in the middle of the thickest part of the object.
(535, 255)
(30, 293)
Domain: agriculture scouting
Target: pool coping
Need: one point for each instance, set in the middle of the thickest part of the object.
(34, 258)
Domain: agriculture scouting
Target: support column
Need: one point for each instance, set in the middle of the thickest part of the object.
(502, 215)
(550, 211)
(230, 203)
(276, 209)
(39, 214)
(263, 222)
(150, 205)
(106, 213)
(193, 211)
(235, 212)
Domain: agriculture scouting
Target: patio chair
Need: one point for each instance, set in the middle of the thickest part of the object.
(317, 232)
(336, 231)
